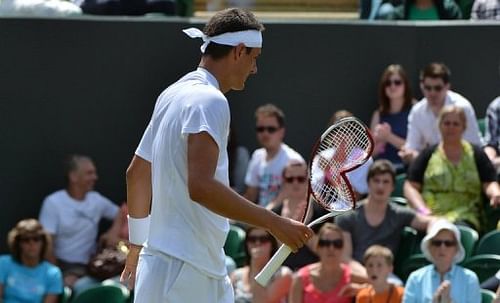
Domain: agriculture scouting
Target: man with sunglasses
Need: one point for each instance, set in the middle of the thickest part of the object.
(422, 121)
(264, 174)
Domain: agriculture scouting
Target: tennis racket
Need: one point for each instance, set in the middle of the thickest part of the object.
(343, 147)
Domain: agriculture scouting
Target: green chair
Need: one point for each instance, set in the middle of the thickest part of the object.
(66, 295)
(468, 237)
(413, 263)
(487, 296)
(235, 245)
(489, 243)
(405, 250)
(485, 266)
(398, 186)
(400, 201)
(101, 293)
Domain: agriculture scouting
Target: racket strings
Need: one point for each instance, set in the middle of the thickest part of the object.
(340, 150)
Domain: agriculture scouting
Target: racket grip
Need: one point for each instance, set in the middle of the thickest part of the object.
(273, 265)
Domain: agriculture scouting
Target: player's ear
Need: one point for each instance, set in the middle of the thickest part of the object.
(239, 50)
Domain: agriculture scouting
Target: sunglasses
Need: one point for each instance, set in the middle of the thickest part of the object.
(300, 179)
(447, 243)
(30, 239)
(436, 88)
(260, 239)
(337, 243)
(269, 129)
(393, 82)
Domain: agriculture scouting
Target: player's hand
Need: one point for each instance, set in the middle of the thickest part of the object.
(128, 274)
(292, 233)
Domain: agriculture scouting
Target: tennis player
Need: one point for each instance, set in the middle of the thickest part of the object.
(178, 190)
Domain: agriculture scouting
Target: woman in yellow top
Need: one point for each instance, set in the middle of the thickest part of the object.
(447, 179)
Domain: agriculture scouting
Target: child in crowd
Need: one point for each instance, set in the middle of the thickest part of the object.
(378, 262)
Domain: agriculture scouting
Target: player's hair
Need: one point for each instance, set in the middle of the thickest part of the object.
(379, 251)
(453, 109)
(271, 110)
(436, 70)
(27, 227)
(380, 167)
(274, 244)
(228, 21)
(383, 100)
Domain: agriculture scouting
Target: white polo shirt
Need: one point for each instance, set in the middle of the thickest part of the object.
(423, 129)
(181, 227)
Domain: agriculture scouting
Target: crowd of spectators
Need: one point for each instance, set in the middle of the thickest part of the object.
(451, 174)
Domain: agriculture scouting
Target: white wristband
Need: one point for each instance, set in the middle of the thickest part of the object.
(138, 229)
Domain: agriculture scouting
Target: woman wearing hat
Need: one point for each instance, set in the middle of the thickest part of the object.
(25, 276)
(442, 281)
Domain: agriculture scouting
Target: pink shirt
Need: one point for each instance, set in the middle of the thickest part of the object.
(313, 295)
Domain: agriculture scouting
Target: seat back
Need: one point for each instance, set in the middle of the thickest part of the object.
(66, 295)
(413, 263)
(101, 293)
(405, 250)
(468, 237)
(489, 243)
(235, 245)
(487, 296)
(398, 186)
(485, 266)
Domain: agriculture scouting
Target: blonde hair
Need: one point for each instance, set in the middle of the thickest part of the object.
(453, 109)
(24, 228)
(379, 251)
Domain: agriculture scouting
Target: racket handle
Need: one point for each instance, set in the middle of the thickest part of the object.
(273, 265)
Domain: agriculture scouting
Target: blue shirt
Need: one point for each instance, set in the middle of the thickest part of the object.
(22, 284)
(423, 283)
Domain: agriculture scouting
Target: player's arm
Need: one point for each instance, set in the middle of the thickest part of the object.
(203, 188)
(139, 204)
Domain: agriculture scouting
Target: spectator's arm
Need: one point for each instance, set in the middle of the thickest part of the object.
(296, 290)
(422, 222)
(251, 193)
(412, 193)
(492, 191)
(111, 237)
(276, 291)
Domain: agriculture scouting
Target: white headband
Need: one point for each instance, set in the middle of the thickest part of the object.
(251, 38)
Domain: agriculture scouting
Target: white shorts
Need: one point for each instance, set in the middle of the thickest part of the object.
(165, 279)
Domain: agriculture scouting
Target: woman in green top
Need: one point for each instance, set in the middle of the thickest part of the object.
(427, 10)
(447, 179)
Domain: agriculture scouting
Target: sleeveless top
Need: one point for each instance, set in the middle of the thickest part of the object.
(399, 124)
(313, 295)
(241, 292)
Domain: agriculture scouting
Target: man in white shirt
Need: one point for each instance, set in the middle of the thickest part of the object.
(178, 190)
(71, 216)
(264, 173)
(422, 121)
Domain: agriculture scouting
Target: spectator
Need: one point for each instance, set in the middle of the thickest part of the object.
(378, 261)
(260, 246)
(443, 280)
(263, 177)
(390, 120)
(327, 280)
(427, 10)
(357, 177)
(25, 276)
(486, 10)
(423, 129)
(446, 179)
(292, 204)
(38, 8)
(71, 216)
(492, 136)
(376, 220)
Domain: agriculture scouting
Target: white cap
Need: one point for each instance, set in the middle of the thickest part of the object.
(438, 226)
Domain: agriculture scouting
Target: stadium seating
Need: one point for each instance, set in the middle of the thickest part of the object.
(234, 246)
(405, 250)
(399, 201)
(468, 237)
(487, 296)
(101, 293)
(66, 295)
(485, 266)
(413, 263)
(398, 186)
(489, 243)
